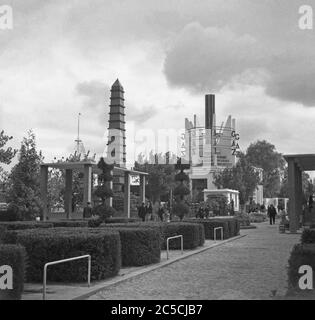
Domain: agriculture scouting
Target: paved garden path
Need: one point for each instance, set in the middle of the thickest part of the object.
(248, 268)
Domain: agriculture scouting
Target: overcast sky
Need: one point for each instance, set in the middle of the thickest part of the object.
(62, 57)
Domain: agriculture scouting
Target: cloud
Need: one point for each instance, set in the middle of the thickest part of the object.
(96, 92)
(212, 58)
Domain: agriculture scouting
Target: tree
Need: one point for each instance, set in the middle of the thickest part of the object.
(181, 190)
(6, 154)
(103, 190)
(263, 154)
(161, 178)
(24, 189)
(241, 177)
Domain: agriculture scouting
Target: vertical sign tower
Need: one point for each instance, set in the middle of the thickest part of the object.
(116, 146)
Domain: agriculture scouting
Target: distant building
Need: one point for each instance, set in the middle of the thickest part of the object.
(116, 142)
(116, 145)
(209, 148)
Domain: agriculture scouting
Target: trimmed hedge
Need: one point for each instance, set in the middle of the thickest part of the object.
(22, 225)
(308, 236)
(231, 226)
(15, 257)
(302, 254)
(70, 223)
(48, 245)
(12, 213)
(139, 246)
(193, 234)
(121, 220)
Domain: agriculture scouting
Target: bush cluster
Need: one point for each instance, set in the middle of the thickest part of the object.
(308, 236)
(193, 234)
(139, 246)
(46, 245)
(121, 220)
(231, 226)
(12, 213)
(70, 223)
(15, 257)
(22, 225)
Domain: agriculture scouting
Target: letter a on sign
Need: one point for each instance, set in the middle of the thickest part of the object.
(306, 281)
(6, 17)
(6, 277)
(306, 20)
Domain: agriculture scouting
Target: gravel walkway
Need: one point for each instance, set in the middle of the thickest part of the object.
(248, 268)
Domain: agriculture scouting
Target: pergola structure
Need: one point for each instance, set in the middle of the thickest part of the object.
(87, 168)
(297, 163)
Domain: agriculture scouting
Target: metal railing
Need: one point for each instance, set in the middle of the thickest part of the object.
(181, 244)
(215, 233)
(61, 261)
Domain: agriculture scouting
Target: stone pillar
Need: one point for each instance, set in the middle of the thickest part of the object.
(142, 189)
(87, 184)
(293, 180)
(68, 193)
(299, 190)
(43, 189)
(127, 195)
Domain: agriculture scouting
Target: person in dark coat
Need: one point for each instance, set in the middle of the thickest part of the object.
(87, 211)
(310, 203)
(272, 212)
(142, 211)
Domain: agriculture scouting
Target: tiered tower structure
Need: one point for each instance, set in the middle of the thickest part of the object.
(116, 146)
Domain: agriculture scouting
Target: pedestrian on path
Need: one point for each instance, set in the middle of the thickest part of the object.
(142, 211)
(272, 212)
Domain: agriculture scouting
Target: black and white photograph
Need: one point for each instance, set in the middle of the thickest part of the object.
(156, 156)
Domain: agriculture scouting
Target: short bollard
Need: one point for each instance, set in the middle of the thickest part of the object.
(181, 244)
(215, 233)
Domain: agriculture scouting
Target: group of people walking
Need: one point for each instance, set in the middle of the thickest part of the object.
(149, 212)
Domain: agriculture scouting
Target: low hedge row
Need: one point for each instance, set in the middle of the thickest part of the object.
(13, 256)
(231, 226)
(302, 254)
(70, 223)
(193, 234)
(22, 225)
(46, 245)
(121, 220)
(308, 236)
(139, 246)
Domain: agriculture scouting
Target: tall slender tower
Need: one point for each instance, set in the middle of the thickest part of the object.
(116, 146)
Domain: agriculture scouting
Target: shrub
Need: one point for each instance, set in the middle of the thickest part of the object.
(21, 225)
(139, 246)
(12, 213)
(302, 254)
(103, 211)
(193, 235)
(48, 245)
(256, 217)
(231, 227)
(122, 220)
(94, 222)
(181, 210)
(243, 219)
(308, 236)
(70, 224)
(15, 257)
